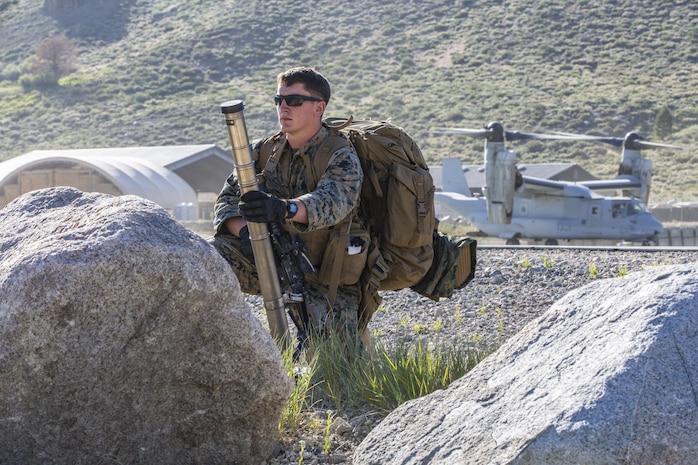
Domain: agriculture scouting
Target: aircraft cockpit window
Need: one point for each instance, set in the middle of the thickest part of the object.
(618, 210)
(634, 209)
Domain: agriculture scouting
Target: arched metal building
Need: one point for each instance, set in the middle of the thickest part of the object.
(171, 176)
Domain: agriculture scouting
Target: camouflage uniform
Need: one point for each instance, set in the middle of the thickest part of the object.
(335, 197)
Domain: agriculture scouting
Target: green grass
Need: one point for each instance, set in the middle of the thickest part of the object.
(300, 400)
(375, 380)
(523, 264)
(548, 262)
(593, 270)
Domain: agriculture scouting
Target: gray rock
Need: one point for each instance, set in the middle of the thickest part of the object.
(124, 338)
(340, 427)
(608, 375)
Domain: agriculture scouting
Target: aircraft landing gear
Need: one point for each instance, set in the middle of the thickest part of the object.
(513, 241)
(551, 242)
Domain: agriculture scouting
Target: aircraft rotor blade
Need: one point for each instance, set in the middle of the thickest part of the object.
(495, 130)
(516, 135)
(631, 141)
(641, 144)
(477, 133)
(616, 141)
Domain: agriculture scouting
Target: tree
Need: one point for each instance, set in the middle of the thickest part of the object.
(55, 57)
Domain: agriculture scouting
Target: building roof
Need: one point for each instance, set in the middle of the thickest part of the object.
(167, 175)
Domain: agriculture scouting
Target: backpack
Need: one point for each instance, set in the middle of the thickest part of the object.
(397, 201)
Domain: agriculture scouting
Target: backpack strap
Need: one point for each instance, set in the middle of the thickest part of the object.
(269, 156)
(314, 170)
(376, 271)
(338, 123)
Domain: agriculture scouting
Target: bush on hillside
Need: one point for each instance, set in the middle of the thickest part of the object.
(37, 81)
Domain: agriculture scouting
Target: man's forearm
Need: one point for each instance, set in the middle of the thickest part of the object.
(235, 224)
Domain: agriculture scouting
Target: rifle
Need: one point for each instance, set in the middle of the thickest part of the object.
(292, 263)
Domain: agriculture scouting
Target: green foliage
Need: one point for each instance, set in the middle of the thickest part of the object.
(622, 270)
(663, 124)
(438, 325)
(327, 441)
(161, 70)
(458, 314)
(384, 377)
(300, 400)
(37, 81)
(13, 71)
(523, 264)
(593, 270)
(548, 262)
(301, 453)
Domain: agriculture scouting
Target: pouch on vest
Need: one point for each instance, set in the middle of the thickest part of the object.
(351, 250)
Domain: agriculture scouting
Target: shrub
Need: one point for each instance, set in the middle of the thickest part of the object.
(12, 72)
(37, 81)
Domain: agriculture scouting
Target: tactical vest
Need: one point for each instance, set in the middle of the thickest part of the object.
(327, 247)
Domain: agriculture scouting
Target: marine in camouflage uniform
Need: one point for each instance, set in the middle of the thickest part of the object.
(334, 198)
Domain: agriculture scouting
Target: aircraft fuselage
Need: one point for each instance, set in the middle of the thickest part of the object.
(551, 217)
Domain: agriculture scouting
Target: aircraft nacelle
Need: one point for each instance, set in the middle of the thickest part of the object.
(633, 164)
(500, 182)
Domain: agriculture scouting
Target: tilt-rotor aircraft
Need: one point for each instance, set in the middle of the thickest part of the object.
(515, 207)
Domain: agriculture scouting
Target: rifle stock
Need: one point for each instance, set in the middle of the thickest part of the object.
(259, 232)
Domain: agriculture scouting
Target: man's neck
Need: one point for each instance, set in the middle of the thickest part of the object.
(298, 140)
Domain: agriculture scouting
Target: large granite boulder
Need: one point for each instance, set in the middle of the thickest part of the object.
(124, 338)
(609, 375)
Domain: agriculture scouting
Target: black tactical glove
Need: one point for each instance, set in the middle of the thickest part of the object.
(261, 207)
(245, 244)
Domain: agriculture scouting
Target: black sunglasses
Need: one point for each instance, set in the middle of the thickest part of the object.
(295, 100)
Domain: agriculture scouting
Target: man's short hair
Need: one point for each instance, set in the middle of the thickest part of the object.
(312, 80)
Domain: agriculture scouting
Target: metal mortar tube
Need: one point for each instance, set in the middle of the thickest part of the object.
(259, 232)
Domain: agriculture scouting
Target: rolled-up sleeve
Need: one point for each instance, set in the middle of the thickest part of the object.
(226, 206)
(337, 192)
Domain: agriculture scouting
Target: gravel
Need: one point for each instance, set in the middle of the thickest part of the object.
(512, 286)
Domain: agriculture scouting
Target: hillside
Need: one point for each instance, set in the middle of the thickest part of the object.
(153, 72)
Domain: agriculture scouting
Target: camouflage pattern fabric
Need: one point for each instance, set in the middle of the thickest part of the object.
(229, 247)
(449, 254)
(344, 313)
(335, 196)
